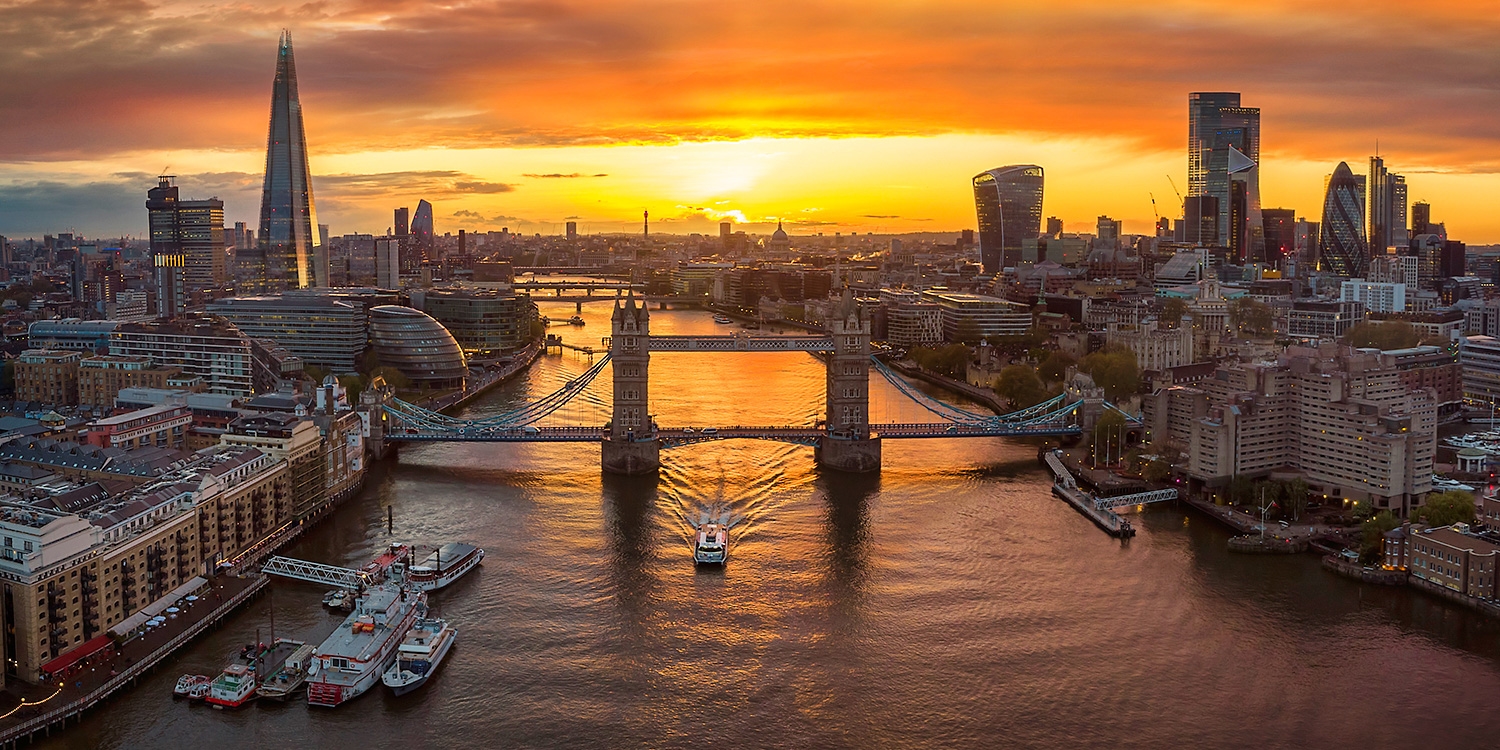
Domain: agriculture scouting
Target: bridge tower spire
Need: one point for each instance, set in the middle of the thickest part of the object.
(631, 446)
(848, 445)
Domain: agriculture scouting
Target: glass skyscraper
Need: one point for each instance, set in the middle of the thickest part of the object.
(1217, 125)
(187, 248)
(288, 225)
(1387, 208)
(1341, 248)
(1008, 201)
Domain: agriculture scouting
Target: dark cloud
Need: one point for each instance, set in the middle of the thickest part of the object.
(114, 205)
(557, 176)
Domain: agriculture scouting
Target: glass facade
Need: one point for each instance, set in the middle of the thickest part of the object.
(1341, 247)
(1008, 202)
(320, 331)
(484, 322)
(418, 346)
(1216, 124)
(288, 222)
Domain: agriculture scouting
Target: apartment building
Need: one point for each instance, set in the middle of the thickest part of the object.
(100, 379)
(47, 376)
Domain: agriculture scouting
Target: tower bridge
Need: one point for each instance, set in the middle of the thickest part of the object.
(631, 443)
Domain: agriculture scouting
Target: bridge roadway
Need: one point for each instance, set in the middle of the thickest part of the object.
(675, 436)
(614, 286)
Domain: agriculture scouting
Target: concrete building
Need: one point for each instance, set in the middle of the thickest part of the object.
(100, 379)
(972, 317)
(1479, 356)
(210, 348)
(317, 329)
(1376, 296)
(46, 376)
(1323, 321)
(1344, 418)
(1155, 348)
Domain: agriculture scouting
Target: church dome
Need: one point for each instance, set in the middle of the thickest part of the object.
(779, 235)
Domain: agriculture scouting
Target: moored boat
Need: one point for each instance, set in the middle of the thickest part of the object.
(445, 565)
(234, 687)
(340, 599)
(576, 320)
(419, 655)
(355, 655)
(193, 686)
(290, 678)
(722, 319)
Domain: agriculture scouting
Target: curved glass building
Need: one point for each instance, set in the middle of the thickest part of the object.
(420, 347)
(1008, 201)
(1341, 247)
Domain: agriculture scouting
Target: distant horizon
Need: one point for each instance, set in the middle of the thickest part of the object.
(804, 112)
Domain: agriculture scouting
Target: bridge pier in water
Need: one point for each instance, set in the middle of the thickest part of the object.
(630, 445)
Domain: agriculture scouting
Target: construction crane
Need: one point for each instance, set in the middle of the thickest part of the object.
(1181, 204)
(1154, 213)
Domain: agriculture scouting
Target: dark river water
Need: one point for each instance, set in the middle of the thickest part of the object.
(949, 601)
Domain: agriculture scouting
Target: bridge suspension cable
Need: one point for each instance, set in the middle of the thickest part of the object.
(1052, 409)
(524, 415)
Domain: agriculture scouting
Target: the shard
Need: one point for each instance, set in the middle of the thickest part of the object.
(288, 225)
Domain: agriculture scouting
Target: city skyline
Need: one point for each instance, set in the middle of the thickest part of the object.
(527, 142)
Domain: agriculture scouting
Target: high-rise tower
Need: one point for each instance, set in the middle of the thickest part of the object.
(1008, 201)
(288, 224)
(1342, 249)
(1217, 125)
(1386, 220)
(187, 248)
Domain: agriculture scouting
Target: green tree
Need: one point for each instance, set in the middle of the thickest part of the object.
(1172, 311)
(1054, 367)
(1241, 490)
(1447, 508)
(393, 377)
(1249, 315)
(1292, 497)
(1372, 534)
(1157, 471)
(1396, 334)
(951, 360)
(1114, 371)
(1019, 385)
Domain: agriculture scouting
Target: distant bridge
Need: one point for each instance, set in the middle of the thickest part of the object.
(631, 441)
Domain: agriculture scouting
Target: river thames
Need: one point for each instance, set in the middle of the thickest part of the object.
(949, 601)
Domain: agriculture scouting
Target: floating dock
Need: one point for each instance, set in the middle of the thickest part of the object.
(1066, 487)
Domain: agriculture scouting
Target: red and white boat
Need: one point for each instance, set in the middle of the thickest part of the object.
(379, 569)
(444, 566)
(352, 659)
(233, 688)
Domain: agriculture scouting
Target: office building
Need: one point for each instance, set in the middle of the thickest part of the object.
(1480, 359)
(1008, 202)
(1386, 222)
(572, 230)
(422, 232)
(417, 346)
(388, 263)
(1342, 249)
(1200, 221)
(203, 347)
(1376, 296)
(1224, 140)
(1421, 219)
(73, 334)
(971, 318)
(1323, 321)
(1281, 235)
(484, 322)
(284, 254)
(187, 251)
(403, 217)
(319, 330)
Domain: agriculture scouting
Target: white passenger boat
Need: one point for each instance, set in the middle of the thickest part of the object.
(723, 319)
(232, 688)
(421, 651)
(193, 686)
(445, 565)
(713, 544)
(350, 660)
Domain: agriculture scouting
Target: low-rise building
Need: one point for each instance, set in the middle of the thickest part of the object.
(291, 438)
(160, 426)
(1451, 557)
(973, 317)
(1479, 357)
(101, 378)
(1155, 348)
(1323, 321)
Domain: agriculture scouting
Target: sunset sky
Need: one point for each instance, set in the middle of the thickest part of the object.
(832, 116)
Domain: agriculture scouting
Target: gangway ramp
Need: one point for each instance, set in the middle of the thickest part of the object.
(302, 570)
(1139, 498)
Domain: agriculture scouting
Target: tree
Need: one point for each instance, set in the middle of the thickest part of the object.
(1372, 534)
(1157, 471)
(1172, 311)
(1054, 367)
(1250, 315)
(1108, 432)
(393, 377)
(951, 360)
(1447, 508)
(1020, 386)
(1396, 334)
(1114, 371)
(1241, 490)
(1293, 498)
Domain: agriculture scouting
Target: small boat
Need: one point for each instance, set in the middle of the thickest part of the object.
(339, 599)
(194, 686)
(445, 565)
(421, 651)
(233, 688)
(575, 321)
(722, 319)
(290, 678)
(713, 544)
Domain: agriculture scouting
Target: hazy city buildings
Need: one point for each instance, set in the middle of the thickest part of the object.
(1008, 201)
(1342, 249)
(285, 252)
